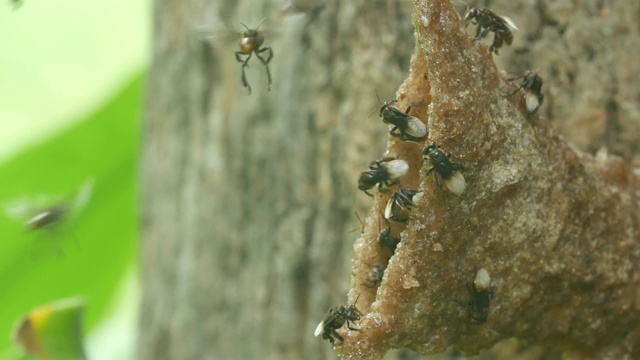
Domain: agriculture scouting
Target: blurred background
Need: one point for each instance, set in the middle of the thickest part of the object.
(70, 101)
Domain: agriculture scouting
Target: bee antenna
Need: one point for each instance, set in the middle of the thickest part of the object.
(260, 23)
(245, 26)
(379, 101)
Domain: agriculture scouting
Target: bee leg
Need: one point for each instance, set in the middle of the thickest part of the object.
(416, 103)
(393, 132)
(436, 179)
(334, 335)
(518, 89)
(478, 31)
(245, 64)
(266, 61)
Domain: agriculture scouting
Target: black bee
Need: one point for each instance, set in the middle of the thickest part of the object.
(386, 171)
(251, 42)
(532, 85)
(399, 204)
(48, 217)
(487, 21)
(334, 320)
(376, 276)
(386, 240)
(405, 126)
(447, 170)
(481, 293)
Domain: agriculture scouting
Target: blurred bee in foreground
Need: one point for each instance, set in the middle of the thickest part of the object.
(532, 85)
(251, 42)
(335, 319)
(405, 126)
(399, 205)
(386, 171)
(487, 20)
(45, 213)
(481, 293)
(444, 169)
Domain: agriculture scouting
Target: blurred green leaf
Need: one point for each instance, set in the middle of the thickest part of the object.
(89, 255)
(53, 331)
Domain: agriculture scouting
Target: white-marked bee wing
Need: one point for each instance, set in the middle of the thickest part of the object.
(416, 128)
(456, 183)
(319, 328)
(483, 280)
(532, 100)
(509, 22)
(396, 168)
(388, 210)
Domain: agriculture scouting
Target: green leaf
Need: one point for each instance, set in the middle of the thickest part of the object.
(88, 254)
(53, 331)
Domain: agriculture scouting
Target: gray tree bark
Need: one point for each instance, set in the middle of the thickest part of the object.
(248, 201)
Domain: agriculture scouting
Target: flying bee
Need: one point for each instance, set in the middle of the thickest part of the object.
(446, 172)
(48, 217)
(51, 217)
(399, 205)
(386, 240)
(481, 293)
(35, 215)
(251, 42)
(377, 272)
(335, 319)
(487, 20)
(386, 172)
(405, 126)
(532, 85)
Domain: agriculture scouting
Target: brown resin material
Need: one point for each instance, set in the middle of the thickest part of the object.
(557, 230)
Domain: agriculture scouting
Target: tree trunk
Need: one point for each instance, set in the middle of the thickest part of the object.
(248, 201)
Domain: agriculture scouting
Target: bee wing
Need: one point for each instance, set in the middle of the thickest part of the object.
(456, 183)
(416, 128)
(509, 22)
(24, 208)
(83, 194)
(388, 210)
(397, 168)
(18, 211)
(319, 328)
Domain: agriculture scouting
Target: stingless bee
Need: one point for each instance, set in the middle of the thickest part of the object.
(405, 126)
(532, 85)
(399, 205)
(377, 272)
(487, 20)
(386, 172)
(335, 319)
(481, 293)
(251, 42)
(445, 169)
(35, 216)
(386, 240)
(48, 217)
